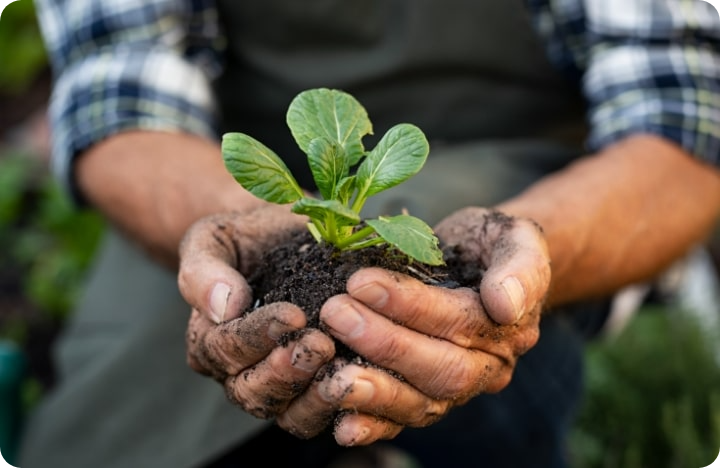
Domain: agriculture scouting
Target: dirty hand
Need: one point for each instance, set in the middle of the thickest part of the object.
(244, 353)
(446, 345)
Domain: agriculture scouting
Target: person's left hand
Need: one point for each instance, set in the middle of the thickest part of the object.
(442, 346)
(263, 359)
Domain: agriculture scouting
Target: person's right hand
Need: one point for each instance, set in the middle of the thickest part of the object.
(442, 346)
(261, 369)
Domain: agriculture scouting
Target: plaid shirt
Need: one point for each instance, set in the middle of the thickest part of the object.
(650, 66)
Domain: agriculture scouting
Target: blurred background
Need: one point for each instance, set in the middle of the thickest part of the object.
(653, 374)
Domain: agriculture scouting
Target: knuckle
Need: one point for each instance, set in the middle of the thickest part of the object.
(433, 412)
(304, 426)
(465, 326)
(457, 376)
(527, 340)
(499, 381)
(235, 392)
(527, 335)
(214, 351)
(391, 351)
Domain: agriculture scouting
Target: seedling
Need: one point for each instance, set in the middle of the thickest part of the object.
(328, 126)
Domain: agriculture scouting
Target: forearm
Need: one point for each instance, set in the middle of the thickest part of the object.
(620, 216)
(154, 185)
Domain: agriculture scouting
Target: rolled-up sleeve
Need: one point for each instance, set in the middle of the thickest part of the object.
(653, 66)
(127, 64)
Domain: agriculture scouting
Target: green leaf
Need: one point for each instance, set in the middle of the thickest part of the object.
(344, 190)
(259, 170)
(320, 209)
(410, 235)
(328, 165)
(399, 155)
(331, 114)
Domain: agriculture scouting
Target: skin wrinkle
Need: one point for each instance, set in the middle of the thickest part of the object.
(466, 233)
(200, 355)
(229, 238)
(281, 396)
(214, 361)
(292, 425)
(257, 409)
(427, 324)
(393, 350)
(312, 422)
(268, 408)
(455, 378)
(469, 321)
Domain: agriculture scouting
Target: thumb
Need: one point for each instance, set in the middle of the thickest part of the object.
(208, 278)
(518, 274)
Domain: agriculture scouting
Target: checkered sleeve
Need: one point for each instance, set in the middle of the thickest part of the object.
(653, 66)
(127, 64)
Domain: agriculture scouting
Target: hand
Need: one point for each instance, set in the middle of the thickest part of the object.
(446, 345)
(261, 369)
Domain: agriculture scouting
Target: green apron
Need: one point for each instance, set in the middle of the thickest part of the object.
(471, 74)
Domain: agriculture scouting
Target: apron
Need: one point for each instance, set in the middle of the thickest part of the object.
(471, 74)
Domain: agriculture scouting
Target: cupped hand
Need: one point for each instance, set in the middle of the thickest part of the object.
(263, 359)
(442, 346)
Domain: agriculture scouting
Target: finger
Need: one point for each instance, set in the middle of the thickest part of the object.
(267, 388)
(308, 414)
(437, 367)
(208, 277)
(455, 315)
(513, 252)
(518, 275)
(198, 327)
(371, 390)
(353, 429)
(359, 389)
(235, 345)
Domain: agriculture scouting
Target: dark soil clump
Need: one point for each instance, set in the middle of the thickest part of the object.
(307, 273)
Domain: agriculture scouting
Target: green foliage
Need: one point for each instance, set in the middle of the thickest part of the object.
(328, 125)
(22, 51)
(653, 397)
(43, 237)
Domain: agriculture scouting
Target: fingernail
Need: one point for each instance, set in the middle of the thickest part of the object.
(362, 391)
(276, 330)
(218, 301)
(346, 389)
(363, 433)
(372, 294)
(304, 358)
(516, 294)
(345, 320)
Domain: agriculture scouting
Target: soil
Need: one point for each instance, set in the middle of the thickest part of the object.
(307, 273)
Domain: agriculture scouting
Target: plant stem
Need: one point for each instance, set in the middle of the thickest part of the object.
(331, 233)
(366, 243)
(356, 237)
(320, 228)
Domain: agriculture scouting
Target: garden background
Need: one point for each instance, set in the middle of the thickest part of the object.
(653, 377)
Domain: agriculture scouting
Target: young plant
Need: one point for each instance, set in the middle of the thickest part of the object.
(328, 126)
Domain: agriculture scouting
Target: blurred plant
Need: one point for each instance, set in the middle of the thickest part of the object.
(44, 240)
(653, 397)
(22, 51)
